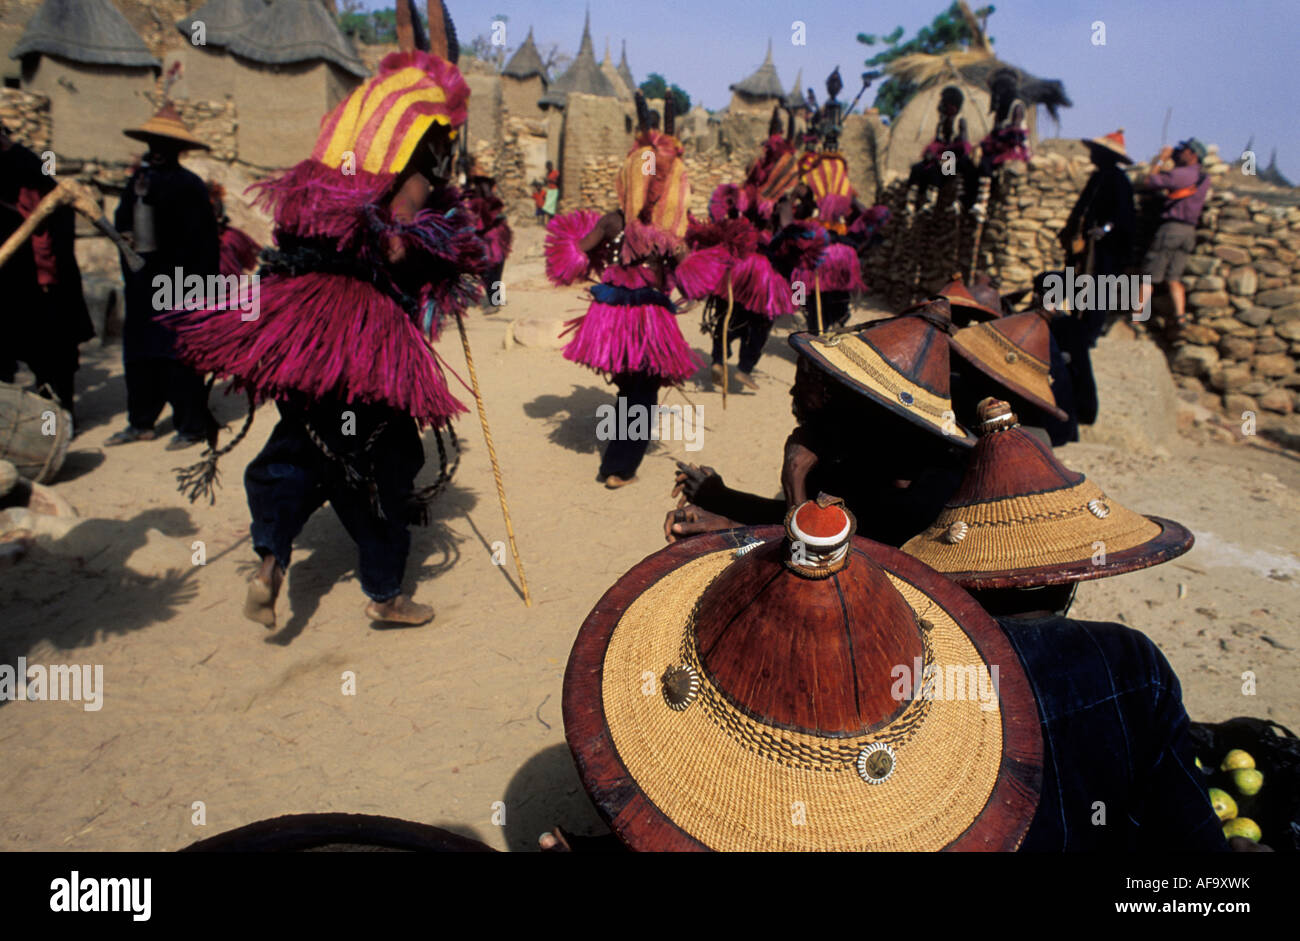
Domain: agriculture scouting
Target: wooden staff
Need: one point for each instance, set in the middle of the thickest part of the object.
(492, 453)
(817, 287)
(726, 323)
(80, 198)
(980, 211)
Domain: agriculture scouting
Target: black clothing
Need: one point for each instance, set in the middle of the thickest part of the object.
(1115, 741)
(154, 382)
(751, 329)
(623, 454)
(292, 477)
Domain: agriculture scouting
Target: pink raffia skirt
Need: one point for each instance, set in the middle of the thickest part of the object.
(630, 327)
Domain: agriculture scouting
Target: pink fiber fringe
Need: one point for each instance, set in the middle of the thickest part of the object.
(640, 240)
(757, 286)
(725, 198)
(634, 276)
(612, 339)
(238, 251)
(702, 273)
(839, 271)
(834, 206)
(322, 334)
(565, 262)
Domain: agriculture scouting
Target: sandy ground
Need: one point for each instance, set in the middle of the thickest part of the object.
(202, 705)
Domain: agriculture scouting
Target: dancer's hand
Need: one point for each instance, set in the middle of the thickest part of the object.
(691, 520)
(689, 478)
(799, 460)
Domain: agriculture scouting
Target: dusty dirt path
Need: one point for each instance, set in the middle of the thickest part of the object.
(447, 720)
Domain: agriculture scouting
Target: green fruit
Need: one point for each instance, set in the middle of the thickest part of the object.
(1224, 806)
(1247, 781)
(1242, 826)
(1237, 759)
(1201, 767)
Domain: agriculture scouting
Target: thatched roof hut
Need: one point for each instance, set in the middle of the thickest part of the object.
(796, 101)
(583, 77)
(527, 61)
(221, 20)
(294, 31)
(969, 70)
(624, 72)
(759, 91)
(95, 69)
(622, 90)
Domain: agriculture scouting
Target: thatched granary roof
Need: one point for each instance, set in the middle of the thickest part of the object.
(624, 72)
(621, 88)
(527, 61)
(583, 77)
(796, 101)
(90, 31)
(222, 19)
(764, 83)
(975, 67)
(1271, 174)
(296, 31)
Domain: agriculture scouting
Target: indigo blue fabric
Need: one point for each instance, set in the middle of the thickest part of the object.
(291, 478)
(617, 296)
(1115, 732)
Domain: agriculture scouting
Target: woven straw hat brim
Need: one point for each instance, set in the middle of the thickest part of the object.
(711, 777)
(168, 130)
(1047, 538)
(1107, 145)
(855, 364)
(1028, 377)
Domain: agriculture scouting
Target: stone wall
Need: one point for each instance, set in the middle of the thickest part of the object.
(27, 115)
(1242, 342)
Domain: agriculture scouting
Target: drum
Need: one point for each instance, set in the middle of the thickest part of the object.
(34, 433)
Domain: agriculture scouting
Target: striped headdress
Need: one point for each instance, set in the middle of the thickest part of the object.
(652, 186)
(776, 171)
(381, 122)
(826, 175)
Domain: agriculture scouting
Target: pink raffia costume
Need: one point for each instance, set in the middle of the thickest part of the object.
(372, 251)
(629, 332)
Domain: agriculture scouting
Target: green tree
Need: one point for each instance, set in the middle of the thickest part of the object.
(656, 86)
(947, 31)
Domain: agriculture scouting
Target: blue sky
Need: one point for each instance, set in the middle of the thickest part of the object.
(1227, 67)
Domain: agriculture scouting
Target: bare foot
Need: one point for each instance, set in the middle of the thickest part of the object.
(399, 610)
(613, 481)
(263, 588)
(746, 380)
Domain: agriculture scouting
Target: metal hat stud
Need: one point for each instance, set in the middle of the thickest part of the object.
(906, 398)
(876, 763)
(955, 532)
(681, 687)
(1012, 357)
(1098, 509)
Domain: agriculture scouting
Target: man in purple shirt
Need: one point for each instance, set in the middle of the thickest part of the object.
(1186, 186)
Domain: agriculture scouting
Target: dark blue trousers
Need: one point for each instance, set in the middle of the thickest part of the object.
(623, 455)
(751, 329)
(292, 478)
(1118, 765)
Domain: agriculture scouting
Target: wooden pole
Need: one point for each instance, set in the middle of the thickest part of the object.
(817, 288)
(492, 454)
(726, 325)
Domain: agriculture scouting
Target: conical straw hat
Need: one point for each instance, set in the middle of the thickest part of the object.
(734, 678)
(901, 364)
(1020, 519)
(1114, 142)
(958, 295)
(1016, 353)
(167, 124)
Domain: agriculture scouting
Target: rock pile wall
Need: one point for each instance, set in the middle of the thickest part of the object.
(27, 115)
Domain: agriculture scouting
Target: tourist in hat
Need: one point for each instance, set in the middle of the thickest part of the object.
(46, 316)
(166, 214)
(1178, 173)
(373, 249)
(887, 382)
(1098, 235)
(795, 688)
(1020, 534)
(630, 332)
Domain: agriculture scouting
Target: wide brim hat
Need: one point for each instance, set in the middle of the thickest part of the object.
(716, 698)
(1021, 519)
(1016, 353)
(167, 125)
(958, 295)
(901, 364)
(1113, 142)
